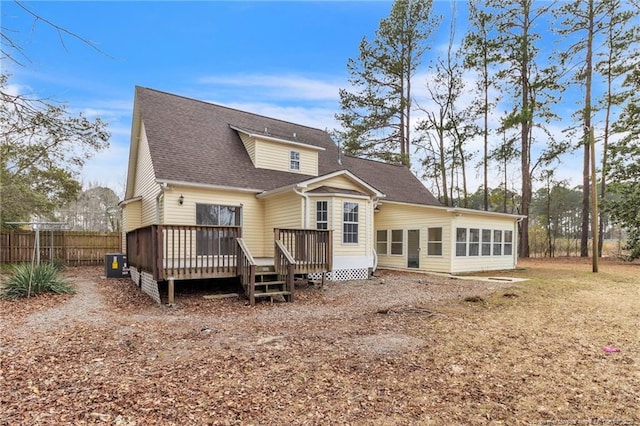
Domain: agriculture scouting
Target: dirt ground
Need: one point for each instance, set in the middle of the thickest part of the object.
(560, 348)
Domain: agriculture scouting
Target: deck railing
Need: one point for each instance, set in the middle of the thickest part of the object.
(184, 251)
(247, 271)
(311, 249)
(284, 265)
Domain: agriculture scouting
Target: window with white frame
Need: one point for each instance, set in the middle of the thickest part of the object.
(350, 223)
(397, 241)
(434, 242)
(474, 242)
(294, 160)
(486, 242)
(461, 241)
(497, 243)
(322, 216)
(508, 243)
(382, 244)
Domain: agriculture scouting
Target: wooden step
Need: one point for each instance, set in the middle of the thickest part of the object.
(269, 286)
(272, 294)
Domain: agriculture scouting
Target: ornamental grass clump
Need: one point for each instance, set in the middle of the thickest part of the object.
(28, 280)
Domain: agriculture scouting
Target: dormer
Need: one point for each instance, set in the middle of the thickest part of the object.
(278, 152)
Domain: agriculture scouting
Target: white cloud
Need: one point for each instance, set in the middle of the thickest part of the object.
(286, 86)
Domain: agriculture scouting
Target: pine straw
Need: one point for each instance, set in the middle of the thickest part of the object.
(533, 357)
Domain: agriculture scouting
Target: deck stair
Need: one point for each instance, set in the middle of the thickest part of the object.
(268, 285)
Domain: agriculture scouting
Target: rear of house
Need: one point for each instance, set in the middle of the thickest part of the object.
(217, 192)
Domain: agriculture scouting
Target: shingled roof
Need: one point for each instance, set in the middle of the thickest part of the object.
(193, 141)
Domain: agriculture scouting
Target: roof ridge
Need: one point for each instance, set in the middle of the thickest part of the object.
(230, 108)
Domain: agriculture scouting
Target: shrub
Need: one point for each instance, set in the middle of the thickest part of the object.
(28, 279)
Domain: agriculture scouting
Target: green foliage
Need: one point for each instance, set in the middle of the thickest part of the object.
(29, 280)
(376, 115)
(624, 167)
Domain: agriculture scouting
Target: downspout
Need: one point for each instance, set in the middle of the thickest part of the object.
(306, 206)
(375, 201)
(163, 187)
(516, 241)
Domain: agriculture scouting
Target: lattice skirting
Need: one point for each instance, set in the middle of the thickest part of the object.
(135, 275)
(343, 275)
(150, 286)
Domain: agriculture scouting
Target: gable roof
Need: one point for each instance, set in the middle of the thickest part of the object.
(196, 142)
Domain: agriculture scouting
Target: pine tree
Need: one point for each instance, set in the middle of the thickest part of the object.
(376, 113)
(532, 86)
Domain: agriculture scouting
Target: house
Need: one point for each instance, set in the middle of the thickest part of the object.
(217, 192)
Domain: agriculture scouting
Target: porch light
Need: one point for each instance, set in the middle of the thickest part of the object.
(181, 199)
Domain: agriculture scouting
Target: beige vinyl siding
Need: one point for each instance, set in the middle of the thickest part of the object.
(252, 216)
(131, 219)
(250, 146)
(281, 211)
(276, 156)
(482, 263)
(145, 183)
(364, 246)
(407, 217)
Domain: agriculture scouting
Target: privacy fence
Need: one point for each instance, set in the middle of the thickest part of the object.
(73, 248)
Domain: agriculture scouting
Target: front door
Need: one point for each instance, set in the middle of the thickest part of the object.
(413, 248)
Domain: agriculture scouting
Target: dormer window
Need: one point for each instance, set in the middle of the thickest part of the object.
(294, 160)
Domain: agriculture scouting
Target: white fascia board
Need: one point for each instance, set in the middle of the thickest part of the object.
(173, 183)
(338, 194)
(459, 210)
(278, 140)
(347, 173)
(129, 201)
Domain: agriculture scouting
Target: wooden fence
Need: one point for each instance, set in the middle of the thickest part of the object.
(74, 248)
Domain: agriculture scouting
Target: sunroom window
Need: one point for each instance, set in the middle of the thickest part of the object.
(434, 242)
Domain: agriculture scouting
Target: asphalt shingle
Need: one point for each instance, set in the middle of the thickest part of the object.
(192, 141)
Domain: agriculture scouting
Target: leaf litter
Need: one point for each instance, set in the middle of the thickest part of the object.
(362, 352)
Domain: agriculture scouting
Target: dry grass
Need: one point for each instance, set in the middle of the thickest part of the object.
(410, 350)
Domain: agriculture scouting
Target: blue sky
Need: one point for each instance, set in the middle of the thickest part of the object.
(281, 59)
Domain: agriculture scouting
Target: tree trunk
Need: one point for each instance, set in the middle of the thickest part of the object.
(586, 159)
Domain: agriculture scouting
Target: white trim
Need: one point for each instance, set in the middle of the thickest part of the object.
(304, 184)
(458, 210)
(129, 201)
(275, 139)
(338, 194)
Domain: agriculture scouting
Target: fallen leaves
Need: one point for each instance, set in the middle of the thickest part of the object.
(401, 352)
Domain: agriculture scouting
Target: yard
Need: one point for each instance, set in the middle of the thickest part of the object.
(398, 349)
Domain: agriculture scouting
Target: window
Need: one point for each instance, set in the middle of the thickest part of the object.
(434, 242)
(321, 215)
(396, 241)
(508, 243)
(350, 223)
(216, 241)
(486, 242)
(474, 242)
(294, 160)
(461, 241)
(381, 242)
(497, 243)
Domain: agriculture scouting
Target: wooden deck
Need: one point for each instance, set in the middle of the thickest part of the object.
(181, 252)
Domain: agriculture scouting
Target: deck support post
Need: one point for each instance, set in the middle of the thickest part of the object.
(171, 290)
